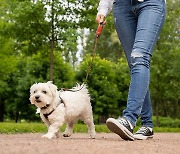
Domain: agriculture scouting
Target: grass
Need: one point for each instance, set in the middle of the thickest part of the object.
(13, 128)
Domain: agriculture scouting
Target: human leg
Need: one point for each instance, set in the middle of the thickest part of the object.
(125, 24)
(151, 14)
(149, 17)
(146, 112)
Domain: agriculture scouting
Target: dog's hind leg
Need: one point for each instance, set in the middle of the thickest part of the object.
(91, 127)
(69, 129)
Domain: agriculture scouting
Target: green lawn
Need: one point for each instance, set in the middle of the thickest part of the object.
(12, 128)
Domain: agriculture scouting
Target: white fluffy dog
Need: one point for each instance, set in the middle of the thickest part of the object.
(59, 107)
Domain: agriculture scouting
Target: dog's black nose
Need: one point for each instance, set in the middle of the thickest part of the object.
(37, 97)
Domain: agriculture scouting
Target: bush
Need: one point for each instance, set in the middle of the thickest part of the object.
(164, 122)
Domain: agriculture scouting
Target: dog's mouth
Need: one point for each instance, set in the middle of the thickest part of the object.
(38, 101)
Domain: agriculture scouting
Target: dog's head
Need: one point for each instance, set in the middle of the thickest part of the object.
(43, 94)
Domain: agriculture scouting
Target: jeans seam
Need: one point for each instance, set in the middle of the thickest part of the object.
(154, 39)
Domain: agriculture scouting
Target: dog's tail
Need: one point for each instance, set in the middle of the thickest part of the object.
(78, 88)
(81, 88)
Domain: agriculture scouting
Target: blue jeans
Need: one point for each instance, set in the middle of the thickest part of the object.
(138, 25)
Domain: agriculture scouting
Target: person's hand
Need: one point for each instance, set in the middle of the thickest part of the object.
(100, 19)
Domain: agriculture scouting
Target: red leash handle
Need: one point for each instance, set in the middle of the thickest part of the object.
(99, 30)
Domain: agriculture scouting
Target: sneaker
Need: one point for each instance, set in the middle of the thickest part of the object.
(144, 133)
(121, 127)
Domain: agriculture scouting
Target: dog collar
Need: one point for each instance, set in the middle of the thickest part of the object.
(47, 114)
(45, 107)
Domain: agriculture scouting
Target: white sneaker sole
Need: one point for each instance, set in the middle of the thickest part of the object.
(119, 129)
(141, 137)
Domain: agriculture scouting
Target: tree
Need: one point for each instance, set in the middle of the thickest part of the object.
(45, 26)
(47, 23)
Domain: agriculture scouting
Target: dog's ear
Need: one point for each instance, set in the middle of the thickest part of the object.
(52, 87)
(32, 88)
(31, 101)
(30, 98)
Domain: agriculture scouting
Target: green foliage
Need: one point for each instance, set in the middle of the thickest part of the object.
(35, 24)
(164, 122)
(167, 122)
(63, 72)
(108, 46)
(7, 62)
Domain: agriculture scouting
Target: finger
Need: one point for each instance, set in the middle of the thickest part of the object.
(104, 22)
(100, 19)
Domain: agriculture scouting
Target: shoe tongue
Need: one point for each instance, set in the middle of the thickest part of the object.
(131, 126)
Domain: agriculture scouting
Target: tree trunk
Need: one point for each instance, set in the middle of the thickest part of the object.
(17, 116)
(51, 60)
(52, 42)
(102, 119)
(1, 110)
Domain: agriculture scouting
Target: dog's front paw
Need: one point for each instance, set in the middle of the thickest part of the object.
(49, 136)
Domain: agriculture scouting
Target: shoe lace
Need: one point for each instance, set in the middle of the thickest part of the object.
(123, 121)
(142, 130)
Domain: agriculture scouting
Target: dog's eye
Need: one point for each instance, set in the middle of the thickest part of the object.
(44, 91)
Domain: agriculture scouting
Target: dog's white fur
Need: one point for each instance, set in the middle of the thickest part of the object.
(76, 106)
